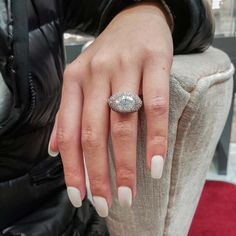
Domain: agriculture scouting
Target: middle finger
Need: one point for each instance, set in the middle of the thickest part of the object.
(124, 138)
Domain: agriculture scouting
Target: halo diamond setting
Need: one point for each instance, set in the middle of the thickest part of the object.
(125, 102)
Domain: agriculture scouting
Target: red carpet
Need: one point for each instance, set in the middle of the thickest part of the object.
(216, 212)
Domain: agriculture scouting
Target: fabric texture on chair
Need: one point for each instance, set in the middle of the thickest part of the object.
(200, 95)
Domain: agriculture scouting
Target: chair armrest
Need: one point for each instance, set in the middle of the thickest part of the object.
(201, 88)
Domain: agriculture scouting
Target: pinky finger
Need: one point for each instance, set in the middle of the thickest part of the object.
(156, 103)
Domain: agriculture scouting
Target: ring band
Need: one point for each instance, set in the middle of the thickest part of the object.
(125, 102)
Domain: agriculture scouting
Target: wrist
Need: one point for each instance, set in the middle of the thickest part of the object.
(161, 7)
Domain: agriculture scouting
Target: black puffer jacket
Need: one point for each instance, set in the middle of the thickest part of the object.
(33, 200)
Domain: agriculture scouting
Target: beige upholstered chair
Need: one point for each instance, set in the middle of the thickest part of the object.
(201, 92)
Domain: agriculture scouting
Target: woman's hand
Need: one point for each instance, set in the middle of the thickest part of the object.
(134, 53)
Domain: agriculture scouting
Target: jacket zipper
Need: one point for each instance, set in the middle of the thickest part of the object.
(32, 95)
(12, 73)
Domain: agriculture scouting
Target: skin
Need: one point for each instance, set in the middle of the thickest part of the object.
(134, 53)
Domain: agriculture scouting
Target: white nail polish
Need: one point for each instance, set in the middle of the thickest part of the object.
(52, 153)
(125, 196)
(101, 206)
(74, 196)
(157, 166)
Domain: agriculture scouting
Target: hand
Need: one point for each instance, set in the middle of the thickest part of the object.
(134, 53)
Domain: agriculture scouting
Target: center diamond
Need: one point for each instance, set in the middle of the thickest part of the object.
(125, 102)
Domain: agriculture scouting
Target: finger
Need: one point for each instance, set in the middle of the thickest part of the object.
(68, 138)
(53, 146)
(124, 137)
(156, 106)
(94, 135)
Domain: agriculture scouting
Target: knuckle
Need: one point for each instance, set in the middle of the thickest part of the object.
(98, 184)
(64, 139)
(159, 57)
(99, 63)
(159, 140)
(126, 175)
(123, 129)
(74, 73)
(68, 74)
(158, 105)
(150, 53)
(89, 139)
(165, 60)
(68, 71)
(71, 176)
(124, 60)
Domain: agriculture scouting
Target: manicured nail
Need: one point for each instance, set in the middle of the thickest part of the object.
(74, 196)
(125, 196)
(101, 206)
(157, 166)
(52, 153)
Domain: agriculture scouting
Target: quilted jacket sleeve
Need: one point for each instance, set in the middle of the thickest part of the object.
(193, 20)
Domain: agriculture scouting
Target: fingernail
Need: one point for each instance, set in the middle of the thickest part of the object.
(125, 196)
(74, 196)
(157, 166)
(101, 206)
(52, 153)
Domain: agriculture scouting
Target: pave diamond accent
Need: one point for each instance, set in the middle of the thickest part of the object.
(125, 102)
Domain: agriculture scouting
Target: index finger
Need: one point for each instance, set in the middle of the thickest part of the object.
(68, 138)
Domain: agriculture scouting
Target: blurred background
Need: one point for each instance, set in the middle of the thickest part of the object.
(224, 163)
(224, 12)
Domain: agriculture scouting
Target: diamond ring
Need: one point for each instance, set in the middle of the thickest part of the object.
(125, 102)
